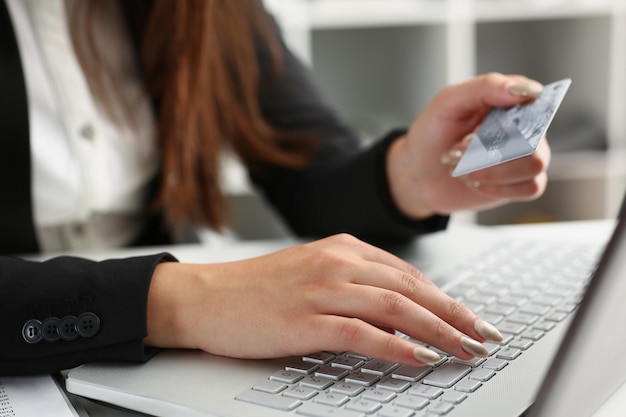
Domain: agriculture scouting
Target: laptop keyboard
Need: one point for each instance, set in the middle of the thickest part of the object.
(524, 288)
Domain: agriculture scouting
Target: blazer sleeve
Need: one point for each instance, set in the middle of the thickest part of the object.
(345, 188)
(66, 311)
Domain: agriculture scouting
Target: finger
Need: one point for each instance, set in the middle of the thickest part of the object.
(491, 90)
(413, 306)
(346, 334)
(452, 157)
(414, 320)
(516, 171)
(523, 191)
(386, 271)
(407, 280)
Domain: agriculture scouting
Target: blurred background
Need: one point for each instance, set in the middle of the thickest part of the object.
(379, 62)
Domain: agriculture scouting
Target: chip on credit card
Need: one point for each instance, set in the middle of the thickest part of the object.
(510, 133)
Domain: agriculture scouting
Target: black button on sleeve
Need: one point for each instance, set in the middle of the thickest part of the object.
(50, 329)
(67, 328)
(31, 331)
(87, 324)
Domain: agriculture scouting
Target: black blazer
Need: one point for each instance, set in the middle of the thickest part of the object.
(66, 311)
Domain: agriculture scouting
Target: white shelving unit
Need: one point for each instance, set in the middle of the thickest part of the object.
(379, 62)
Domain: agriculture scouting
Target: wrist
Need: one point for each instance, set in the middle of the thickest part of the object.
(168, 312)
(404, 181)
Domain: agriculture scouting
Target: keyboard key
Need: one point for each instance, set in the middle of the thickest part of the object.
(269, 386)
(496, 290)
(566, 307)
(411, 401)
(302, 367)
(316, 382)
(532, 334)
(508, 353)
(377, 394)
(535, 309)
(364, 406)
(547, 300)
(320, 410)
(523, 318)
(330, 372)
(269, 400)
(544, 325)
(511, 327)
(555, 316)
(525, 294)
(467, 385)
(513, 300)
(502, 309)
(358, 355)
(474, 362)
(425, 391)
(446, 375)
(362, 378)
(288, 377)
(495, 364)
(320, 358)
(347, 362)
(393, 411)
(332, 399)
(411, 373)
(506, 338)
(453, 397)
(379, 367)
(521, 343)
(393, 384)
(479, 298)
(347, 388)
(482, 374)
(492, 347)
(492, 318)
(440, 408)
(300, 392)
(439, 352)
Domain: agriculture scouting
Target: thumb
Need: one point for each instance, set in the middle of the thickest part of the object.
(489, 90)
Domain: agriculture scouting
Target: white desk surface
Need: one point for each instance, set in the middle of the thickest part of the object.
(427, 253)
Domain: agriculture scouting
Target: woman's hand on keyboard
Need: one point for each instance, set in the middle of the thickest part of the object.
(337, 294)
(420, 163)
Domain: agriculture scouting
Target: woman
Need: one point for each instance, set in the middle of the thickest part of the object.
(165, 86)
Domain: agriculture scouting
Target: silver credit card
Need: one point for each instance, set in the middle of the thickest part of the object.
(513, 132)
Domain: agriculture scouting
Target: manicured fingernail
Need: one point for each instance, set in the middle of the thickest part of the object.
(451, 158)
(487, 330)
(425, 355)
(473, 185)
(473, 347)
(467, 139)
(525, 89)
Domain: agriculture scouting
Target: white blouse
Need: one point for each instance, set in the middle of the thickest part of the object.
(89, 174)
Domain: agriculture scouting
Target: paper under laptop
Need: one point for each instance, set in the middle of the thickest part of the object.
(588, 368)
(35, 396)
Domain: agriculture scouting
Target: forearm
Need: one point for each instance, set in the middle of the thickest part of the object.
(114, 292)
(351, 195)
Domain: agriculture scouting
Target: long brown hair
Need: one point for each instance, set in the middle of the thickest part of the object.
(200, 65)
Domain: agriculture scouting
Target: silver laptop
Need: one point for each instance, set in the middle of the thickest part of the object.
(559, 305)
